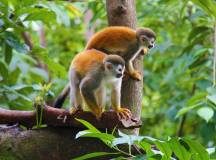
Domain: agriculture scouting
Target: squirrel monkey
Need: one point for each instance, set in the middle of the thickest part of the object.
(125, 42)
(89, 73)
(122, 41)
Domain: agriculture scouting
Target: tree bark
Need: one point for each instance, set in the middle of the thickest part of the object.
(123, 13)
(51, 143)
(62, 118)
(47, 144)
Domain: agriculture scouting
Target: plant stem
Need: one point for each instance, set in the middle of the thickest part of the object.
(123, 152)
(214, 58)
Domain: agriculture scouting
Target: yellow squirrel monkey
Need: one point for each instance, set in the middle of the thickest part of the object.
(89, 73)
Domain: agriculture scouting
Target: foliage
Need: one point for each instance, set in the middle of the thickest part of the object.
(173, 148)
(178, 85)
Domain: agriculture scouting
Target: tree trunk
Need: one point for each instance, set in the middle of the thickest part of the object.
(123, 13)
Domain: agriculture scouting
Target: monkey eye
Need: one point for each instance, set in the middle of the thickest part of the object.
(143, 38)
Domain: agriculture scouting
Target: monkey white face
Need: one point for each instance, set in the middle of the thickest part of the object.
(114, 70)
(147, 42)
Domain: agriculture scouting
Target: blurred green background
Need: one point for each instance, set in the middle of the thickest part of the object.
(178, 84)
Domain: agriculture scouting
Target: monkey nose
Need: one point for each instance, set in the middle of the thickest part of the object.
(118, 75)
(150, 46)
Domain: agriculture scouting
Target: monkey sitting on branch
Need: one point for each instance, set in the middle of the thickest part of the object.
(122, 41)
(89, 73)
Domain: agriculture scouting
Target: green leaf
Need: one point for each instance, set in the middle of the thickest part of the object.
(212, 99)
(126, 139)
(211, 150)
(89, 133)
(88, 125)
(3, 70)
(206, 113)
(197, 150)
(187, 109)
(196, 31)
(15, 43)
(55, 68)
(146, 147)
(208, 6)
(93, 155)
(179, 150)
(164, 147)
(41, 14)
(7, 53)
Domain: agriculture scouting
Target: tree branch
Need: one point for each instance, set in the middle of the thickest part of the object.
(60, 117)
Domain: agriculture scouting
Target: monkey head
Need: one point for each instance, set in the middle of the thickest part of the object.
(114, 66)
(146, 38)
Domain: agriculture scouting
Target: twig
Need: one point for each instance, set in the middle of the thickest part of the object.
(214, 58)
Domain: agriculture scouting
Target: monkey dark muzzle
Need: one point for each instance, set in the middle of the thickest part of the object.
(119, 75)
(150, 46)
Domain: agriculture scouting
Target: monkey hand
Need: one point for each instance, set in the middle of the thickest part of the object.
(136, 75)
(123, 113)
(74, 110)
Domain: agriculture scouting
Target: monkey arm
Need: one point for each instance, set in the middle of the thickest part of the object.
(116, 100)
(87, 88)
(130, 68)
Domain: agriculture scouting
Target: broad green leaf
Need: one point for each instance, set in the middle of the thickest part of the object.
(94, 155)
(89, 133)
(88, 125)
(41, 14)
(7, 53)
(187, 109)
(3, 70)
(15, 43)
(196, 31)
(208, 6)
(126, 139)
(206, 113)
(211, 150)
(196, 98)
(146, 147)
(212, 99)
(197, 150)
(179, 150)
(164, 147)
(73, 10)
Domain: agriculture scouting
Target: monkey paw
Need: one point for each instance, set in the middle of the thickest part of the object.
(74, 110)
(123, 113)
(136, 75)
(98, 112)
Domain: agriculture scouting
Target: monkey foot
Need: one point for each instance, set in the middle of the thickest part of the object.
(74, 110)
(98, 112)
(123, 113)
(136, 75)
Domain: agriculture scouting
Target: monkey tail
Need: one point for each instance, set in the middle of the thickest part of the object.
(61, 98)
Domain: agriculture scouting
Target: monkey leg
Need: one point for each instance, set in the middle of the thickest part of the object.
(88, 87)
(75, 96)
(116, 101)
